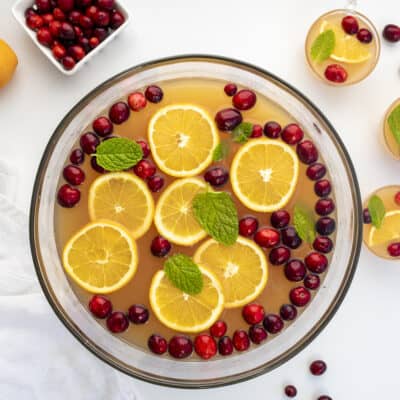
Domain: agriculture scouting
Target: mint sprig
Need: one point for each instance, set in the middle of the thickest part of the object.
(394, 123)
(377, 210)
(221, 151)
(323, 46)
(184, 273)
(217, 215)
(304, 223)
(242, 132)
(118, 154)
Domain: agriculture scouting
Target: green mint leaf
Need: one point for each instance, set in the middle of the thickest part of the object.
(394, 123)
(118, 154)
(217, 215)
(377, 210)
(221, 151)
(323, 46)
(242, 132)
(304, 223)
(184, 273)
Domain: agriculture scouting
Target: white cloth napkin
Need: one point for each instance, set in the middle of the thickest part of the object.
(39, 358)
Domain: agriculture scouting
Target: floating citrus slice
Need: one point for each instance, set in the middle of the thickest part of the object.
(264, 174)
(174, 217)
(101, 257)
(389, 230)
(183, 312)
(124, 198)
(182, 138)
(241, 268)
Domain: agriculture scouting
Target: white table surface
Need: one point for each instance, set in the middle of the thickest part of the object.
(361, 344)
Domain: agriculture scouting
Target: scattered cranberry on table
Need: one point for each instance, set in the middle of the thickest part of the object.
(272, 129)
(350, 25)
(157, 344)
(228, 119)
(180, 346)
(273, 323)
(280, 219)
(336, 73)
(216, 176)
(299, 296)
(290, 391)
(267, 237)
(241, 341)
(137, 101)
(394, 249)
(154, 94)
(225, 346)
(288, 312)
(324, 397)
(253, 313)
(205, 346)
(100, 306)
(155, 183)
(244, 99)
(248, 226)
(138, 314)
(318, 367)
(279, 255)
(68, 196)
(218, 329)
(160, 246)
(257, 334)
(117, 322)
(230, 89)
(391, 33)
(292, 134)
(73, 175)
(295, 270)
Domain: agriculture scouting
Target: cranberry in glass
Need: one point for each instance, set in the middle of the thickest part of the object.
(145, 147)
(257, 131)
(96, 166)
(323, 244)
(117, 322)
(350, 25)
(364, 36)
(318, 367)
(103, 126)
(89, 141)
(100, 33)
(59, 14)
(68, 196)
(205, 346)
(144, 169)
(137, 101)
(257, 334)
(397, 198)
(180, 346)
(34, 21)
(55, 27)
(324, 206)
(248, 226)
(119, 112)
(279, 255)
(312, 281)
(307, 152)
(91, 12)
(76, 52)
(228, 119)
(93, 42)
(106, 4)
(160, 246)
(335, 73)
(74, 16)
(273, 323)
(316, 171)
(290, 237)
(394, 249)
(267, 237)
(322, 188)
(324, 397)
(244, 99)
(154, 94)
(290, 391)
(292, 134)
(272, 129)
(100, 306)
(241, 340)
(230, 89)
(253, 313)
(116, 20)
(299, 296)
(325, 226)
(102, 19)
(288, 312)
(366, 216)
(138, 314)
(73, 175)
(44, 37)
(225, 346)
(218, 329)
(316, 262)
(66, 31)
(295, 270)
(155, 183)
(157, 344)
(43, 6)
(77, 156)
(216, 176)
(85, 22)
(280, 219)
(391, 33)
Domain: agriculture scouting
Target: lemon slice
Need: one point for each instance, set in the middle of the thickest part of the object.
(174, 216)
(241, 268)
(101, 257)
(124, 198)
(183, 312)
(389, 230)
(264, 174)
(182, 138)
(348, 48)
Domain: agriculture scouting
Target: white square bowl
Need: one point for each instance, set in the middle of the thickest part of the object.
(18, 11)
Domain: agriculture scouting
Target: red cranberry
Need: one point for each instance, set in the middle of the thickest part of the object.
(74, 17)
(241, 340)
(100, 33)
(272, 129)
(244, 99)
(44, 37)
(117, 19)
(98, 168)
(273, 323)
(288, 312)
(137, 101)
(228, 119)
(350, 25)
(280, 219)
(307, 152)
(248, 226)
(34, 21)
(295, 270)
(292, 134)
(225, 346)
(66, 31)
(322, 188)
(85, 22)
(160, 246)
(323, 244)
(324, 397)
(93, 42)
(43, 6)
(29, 11)
(257, 334)
(78, 32)
(205, 346)
(73, 175)
(138, 314)
(55, 27)
(66, 5)
(391, 33)
(155, 183)
(316, 262)
(157, 344)
(119, 112)
(290, 391)
(77, 156)
(68, 62)
(312, 281)
(89, 141)
(91, 12)
(100, 306)
(218, 329)
(253, 313)
(335, 73)
(316, 171)
(59, 14)
(117, 322)
(144, 169)
(364, 36)
(318, 367)
(154, 94)
(102, 19)
(290, 238)
(394, 249)
(279, 255)
(145, 147)
(325, 226)
(397, 198)
(230, 89)
(106, 4)
(366, 216)
(267, 237)
(76, 52)
(103, 126)
(324, 206)
(257, 131)
(299, 296)
(68, 196)
(83, 3)
(180, 347)
(216, 176)
(47, 18)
